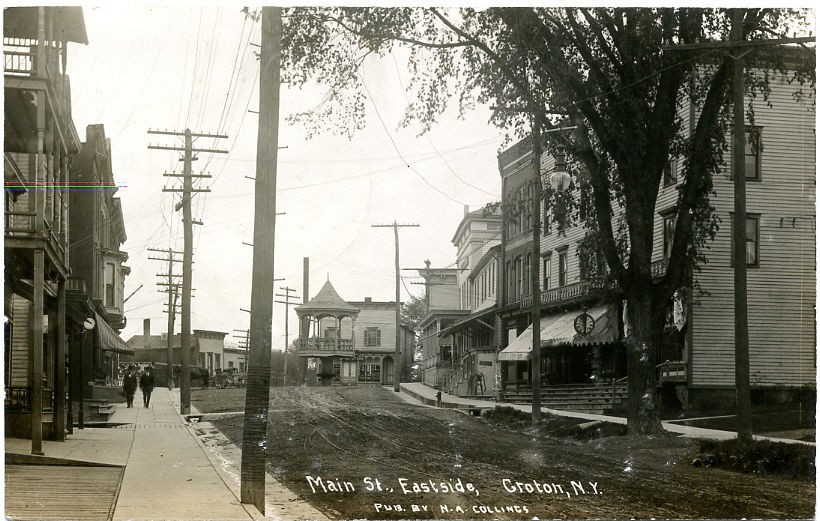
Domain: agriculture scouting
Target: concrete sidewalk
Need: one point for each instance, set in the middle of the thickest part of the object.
(427, 395)
(226, 458)
(172, 469)
(168, 475)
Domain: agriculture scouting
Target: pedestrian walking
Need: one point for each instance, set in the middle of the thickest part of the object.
(147, 385)
(129, 386)
(438, 399)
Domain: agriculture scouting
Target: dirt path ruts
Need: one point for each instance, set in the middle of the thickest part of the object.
(347, 438)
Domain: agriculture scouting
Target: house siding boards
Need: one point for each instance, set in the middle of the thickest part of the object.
(21, 342)
(782, 289)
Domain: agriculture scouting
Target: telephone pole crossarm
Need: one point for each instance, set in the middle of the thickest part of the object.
(187, 191)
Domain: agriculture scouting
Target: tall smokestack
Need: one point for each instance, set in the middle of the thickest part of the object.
(466, 209)
(304, 325)
(146, 328)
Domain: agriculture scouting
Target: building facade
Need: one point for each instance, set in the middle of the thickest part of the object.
(459, 344)
(211, 347)
(39, 141)
(98, 270)
(477, 232)
(235, 358)
(442, 298)
(353, 342)
(153, 350)
(696, 367)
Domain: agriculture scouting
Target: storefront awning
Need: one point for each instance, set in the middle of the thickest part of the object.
(482, 315)
(560, 330)
(109, 339)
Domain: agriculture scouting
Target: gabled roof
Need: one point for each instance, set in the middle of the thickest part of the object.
(327, 302)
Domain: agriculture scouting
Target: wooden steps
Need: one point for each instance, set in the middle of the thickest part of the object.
(96, 411)
(596, 399)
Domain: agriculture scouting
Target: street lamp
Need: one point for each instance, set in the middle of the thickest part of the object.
(560, 178)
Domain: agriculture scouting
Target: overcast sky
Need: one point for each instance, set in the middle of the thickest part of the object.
(172, 68)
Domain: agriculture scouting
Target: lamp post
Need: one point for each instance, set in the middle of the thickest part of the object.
(560, 181)
(88, 325)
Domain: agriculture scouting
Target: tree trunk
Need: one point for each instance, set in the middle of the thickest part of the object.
(646, 318)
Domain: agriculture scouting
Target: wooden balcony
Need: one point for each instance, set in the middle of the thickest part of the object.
(38, 208)
(23, 58)
(587, 288)
(325, 345)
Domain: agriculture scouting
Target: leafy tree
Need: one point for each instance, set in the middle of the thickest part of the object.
(601, 70)
(411, 313)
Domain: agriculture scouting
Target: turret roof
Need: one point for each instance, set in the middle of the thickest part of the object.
(327, 301)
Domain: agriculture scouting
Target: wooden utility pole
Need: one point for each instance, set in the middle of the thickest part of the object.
(397, 362)
(187, 193)
(742, 384)
(535, 272)
(254, 443)
(287, 302)
(172, 299)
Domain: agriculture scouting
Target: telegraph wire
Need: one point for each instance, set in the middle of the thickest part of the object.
(206, 86)
(193, 72)
(398, 152)
(427, 134)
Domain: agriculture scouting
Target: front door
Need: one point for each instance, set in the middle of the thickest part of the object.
(388, 370)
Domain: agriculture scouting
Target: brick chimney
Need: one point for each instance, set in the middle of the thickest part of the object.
(466, 209)
(146, 328)
(368, 299)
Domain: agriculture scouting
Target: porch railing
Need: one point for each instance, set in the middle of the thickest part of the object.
(587, 287)
(18, 399)
(18, 56)
(325, 344)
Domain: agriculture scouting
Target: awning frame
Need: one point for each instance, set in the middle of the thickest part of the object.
(556, 328)
(109, 340)
(465, 322)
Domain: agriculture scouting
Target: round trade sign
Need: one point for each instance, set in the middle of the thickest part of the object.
(584, 324)
(89, 323)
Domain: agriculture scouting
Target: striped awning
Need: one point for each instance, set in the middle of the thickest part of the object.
(109, 339)
(560, 330)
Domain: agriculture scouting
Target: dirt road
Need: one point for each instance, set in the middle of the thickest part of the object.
(362, 452)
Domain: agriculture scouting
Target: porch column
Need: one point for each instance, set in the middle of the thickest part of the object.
(338, 332)
(59, 380)
(36, 374)
(72, 380)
